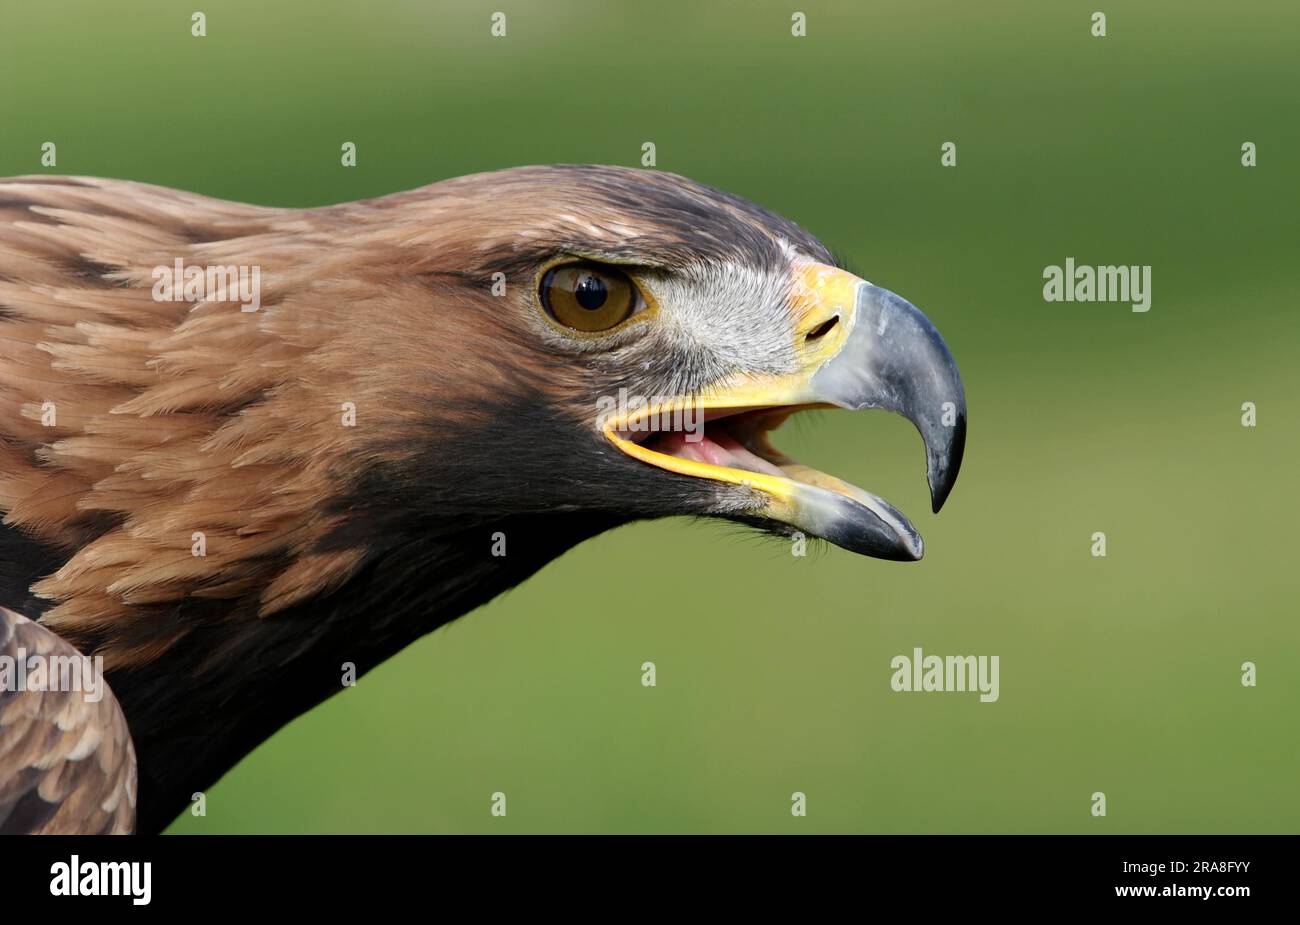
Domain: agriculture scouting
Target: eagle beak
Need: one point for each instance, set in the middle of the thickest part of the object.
(856, 346)
(895, 359)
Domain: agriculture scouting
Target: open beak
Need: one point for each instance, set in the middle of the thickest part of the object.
(856, 346)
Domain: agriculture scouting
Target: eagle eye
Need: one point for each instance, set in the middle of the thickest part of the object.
(587, 297)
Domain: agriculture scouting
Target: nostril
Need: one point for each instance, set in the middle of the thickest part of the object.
(823, 329)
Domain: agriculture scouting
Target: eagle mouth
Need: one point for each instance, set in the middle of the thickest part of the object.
(732, 439)
(733, 445)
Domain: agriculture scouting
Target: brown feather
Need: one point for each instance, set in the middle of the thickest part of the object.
(67, 766)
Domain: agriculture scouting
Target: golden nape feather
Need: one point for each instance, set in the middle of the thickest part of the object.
(130, 425)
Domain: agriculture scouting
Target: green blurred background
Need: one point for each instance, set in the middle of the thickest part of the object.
(1119, 674)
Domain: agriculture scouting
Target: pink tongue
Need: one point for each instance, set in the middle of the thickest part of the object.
(716, 449)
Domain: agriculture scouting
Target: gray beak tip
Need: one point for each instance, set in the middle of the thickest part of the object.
(944, 466)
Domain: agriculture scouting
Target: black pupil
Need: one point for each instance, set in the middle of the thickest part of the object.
(591, 292)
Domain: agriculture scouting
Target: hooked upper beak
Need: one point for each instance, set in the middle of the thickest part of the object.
(856, 346)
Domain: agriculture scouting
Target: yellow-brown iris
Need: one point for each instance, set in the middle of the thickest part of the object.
(587, 297)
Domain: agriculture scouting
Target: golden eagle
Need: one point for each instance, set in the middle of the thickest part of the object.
(240, 445)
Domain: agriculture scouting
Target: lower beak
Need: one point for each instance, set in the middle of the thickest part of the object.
(859, 346)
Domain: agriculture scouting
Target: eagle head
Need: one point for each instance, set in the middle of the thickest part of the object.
(622, 343)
